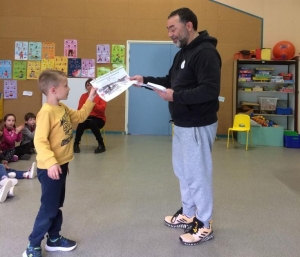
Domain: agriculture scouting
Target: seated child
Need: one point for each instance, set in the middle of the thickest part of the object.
(19, 174)
(7, 184)
(27, 145)
(10, 135)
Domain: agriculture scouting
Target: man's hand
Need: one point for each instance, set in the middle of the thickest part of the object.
(139, 79)
(167, 95)
(54, 171)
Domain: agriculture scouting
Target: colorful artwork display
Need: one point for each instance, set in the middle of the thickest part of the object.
(19, 70)
(47, 64)
(102, 70)
(74, 67)
(88, 68)
(115, 66)
(61, 63)
(33, 69)
(35, 51)
(21, 50)
(103, 53)
(118, 54)
(70, 48)
(5, 69)
(48, 50)
(10, 89)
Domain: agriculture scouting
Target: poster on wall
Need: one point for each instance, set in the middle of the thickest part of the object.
(5, 69)
(48, 50)
(35, 51)
(118, 54)
(88, 68)
(19, 70)
(33, 69)
(21, 50)
(103, 53)
(70, 48)
(74, 67)
(102, 70)
(116, 66)
(61, 63)
(47, 64)
(10, 89)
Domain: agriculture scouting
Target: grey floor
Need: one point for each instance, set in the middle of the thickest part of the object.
(116, 202)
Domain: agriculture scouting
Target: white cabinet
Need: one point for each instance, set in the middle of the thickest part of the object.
(285, 93)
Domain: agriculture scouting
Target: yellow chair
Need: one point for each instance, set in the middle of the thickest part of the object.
(102, 131)
(241, 123)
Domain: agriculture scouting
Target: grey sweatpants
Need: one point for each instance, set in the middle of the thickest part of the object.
(192, 164)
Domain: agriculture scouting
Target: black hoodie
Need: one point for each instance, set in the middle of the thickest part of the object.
(195, 78)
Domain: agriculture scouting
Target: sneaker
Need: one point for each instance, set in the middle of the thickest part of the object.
(25, 157)
(4, 189)
(197, 233)
(61, 244)
(11, 192)
(100, 149)
(13, 180)
(15, 158)
(32, 252)
(11, 174)
(178, 220)
(76, 148)
(32, 171)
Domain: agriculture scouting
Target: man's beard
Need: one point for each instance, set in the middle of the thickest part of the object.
(182, 42)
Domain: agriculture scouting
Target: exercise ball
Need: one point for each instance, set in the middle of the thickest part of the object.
(284, 50)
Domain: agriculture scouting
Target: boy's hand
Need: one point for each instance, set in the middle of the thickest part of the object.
(93, 93)
(54, 171)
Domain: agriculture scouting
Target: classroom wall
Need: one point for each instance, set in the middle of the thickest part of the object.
(94, 22)
(280, 18)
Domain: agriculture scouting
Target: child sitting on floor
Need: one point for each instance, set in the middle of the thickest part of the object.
(7, 184)
(28, 131)
(10, 135)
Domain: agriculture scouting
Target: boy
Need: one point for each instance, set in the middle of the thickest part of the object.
(54, 146)
(28, 133)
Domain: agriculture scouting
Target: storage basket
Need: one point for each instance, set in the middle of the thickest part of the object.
(267, 103)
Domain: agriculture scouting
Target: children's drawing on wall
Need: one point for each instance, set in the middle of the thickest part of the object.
(5, 69)
(33, 69)
(118, 65)
(88, 68)
(19, 70)
(70, 48)
(74, 67)
(118, 54)
(47, 64)
(48, 50)
(35, 51)
(103, 53)
(61, 63)
(102, 70)
(21, 50)
(10, 89)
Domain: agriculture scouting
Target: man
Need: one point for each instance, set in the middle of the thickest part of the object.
(193, 87)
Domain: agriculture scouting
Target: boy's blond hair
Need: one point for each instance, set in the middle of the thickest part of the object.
(50, 78)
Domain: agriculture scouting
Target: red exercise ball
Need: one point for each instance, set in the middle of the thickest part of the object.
(284, 50)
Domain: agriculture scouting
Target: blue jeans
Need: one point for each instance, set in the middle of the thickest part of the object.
(49, 218)
(19, 173)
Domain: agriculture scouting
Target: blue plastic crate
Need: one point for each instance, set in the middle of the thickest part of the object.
(291, 141)
(284, 111)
